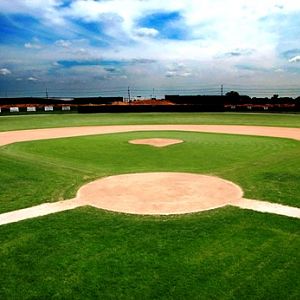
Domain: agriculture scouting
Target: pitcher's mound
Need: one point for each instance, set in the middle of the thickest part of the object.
(159, 193)
(156, 142)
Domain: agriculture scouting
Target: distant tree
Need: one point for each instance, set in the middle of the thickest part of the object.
(245, 99)
(297, 102)
(233, 97)
(232, 94)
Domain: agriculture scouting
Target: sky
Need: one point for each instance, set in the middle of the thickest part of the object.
(100, 47)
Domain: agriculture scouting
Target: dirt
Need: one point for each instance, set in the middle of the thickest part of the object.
(156, 142)
(10, 137)
(143, 193)
(159, 193)
(151, 102)
(154, 194)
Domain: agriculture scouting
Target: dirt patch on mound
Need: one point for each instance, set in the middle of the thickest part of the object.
(156, 142)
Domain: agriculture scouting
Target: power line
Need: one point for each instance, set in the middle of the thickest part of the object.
(202, 89)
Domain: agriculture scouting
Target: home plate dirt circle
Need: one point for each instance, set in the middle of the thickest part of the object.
(159, 193)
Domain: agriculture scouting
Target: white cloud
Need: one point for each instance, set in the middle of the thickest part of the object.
(32, 79)
(171, 74)
(146, 32)
(178, 70)
(81, 51)
(5, 71)
(186, 74)
(63, 43)
(295, 59)
(35, 44)
(195, 12)
(32, 46)
(215, 28)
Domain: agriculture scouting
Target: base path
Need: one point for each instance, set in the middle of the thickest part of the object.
(10, 137)
(38, 211)
(154, 194)
(267, 207)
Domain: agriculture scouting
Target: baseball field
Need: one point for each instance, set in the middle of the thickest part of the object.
(90, 253)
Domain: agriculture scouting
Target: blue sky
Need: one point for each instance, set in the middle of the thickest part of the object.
(88, 46)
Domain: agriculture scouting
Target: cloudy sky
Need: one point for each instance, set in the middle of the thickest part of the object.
(87, 46)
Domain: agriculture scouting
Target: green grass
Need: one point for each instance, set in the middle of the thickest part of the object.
(88, 253)
(50, 170)
(91, 254)
(67, 120)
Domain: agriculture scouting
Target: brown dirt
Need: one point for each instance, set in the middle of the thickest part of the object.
(10, 137)
(154, 194)
(143, 193)
(156, 142)
(151, 102)
(159, 193)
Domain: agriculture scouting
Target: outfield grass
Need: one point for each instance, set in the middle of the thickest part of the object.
(50, 170)
(67, 120)
(90, 254)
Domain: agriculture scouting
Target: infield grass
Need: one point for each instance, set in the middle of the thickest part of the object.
(68, 120)
(50, 170)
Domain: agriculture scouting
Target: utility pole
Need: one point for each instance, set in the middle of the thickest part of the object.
(46, 93)
(128, 94)
(153, 93)
(222, 90)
